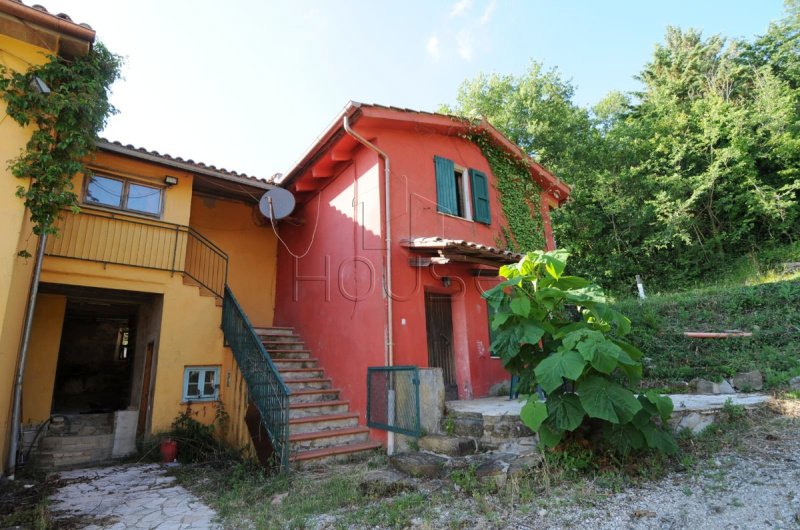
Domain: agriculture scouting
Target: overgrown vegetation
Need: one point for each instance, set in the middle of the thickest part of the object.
(67, 122)
(575, 475)
(197, 442)
(673, 182)
(519, 198)
(557, 333)
(771, 311)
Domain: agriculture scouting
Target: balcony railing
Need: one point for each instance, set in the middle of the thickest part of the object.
(108, 238)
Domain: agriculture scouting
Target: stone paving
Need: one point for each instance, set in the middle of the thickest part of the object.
(128, 497)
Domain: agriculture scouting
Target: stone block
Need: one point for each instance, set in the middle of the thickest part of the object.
(431, 399)
(125, 423)
(695, 422)
(794, 383)
(383, 483)
(448, 445)
(468, 424)
(418, 464)
(748, 381)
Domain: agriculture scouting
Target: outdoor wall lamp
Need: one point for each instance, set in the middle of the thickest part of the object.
(446, 281)
(170, 181)
(40, 86)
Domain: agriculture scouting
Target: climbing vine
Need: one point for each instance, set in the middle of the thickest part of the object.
(67, 121)
(519, 197)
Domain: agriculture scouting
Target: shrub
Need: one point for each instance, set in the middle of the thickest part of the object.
(556, 332)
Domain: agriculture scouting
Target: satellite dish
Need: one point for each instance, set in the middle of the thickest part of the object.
(276, 204)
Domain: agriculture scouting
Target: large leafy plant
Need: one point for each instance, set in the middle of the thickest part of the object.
(557, 333)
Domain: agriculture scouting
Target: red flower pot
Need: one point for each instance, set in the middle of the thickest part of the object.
(169, 450)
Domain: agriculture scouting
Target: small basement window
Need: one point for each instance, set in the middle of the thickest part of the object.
(123, 194)
(200, 383)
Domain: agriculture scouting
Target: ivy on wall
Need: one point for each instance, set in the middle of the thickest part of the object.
(67, 121)
(519, 196)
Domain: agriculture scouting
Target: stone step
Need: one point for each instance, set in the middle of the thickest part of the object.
(313, 395)
(319, 408)
(323, 423)
(81, 424)
(329, 438)
(308, 384)
(313, 457)
(275, 330)
(295, 363)
(77, 443)
(289, 354)
(282, 346)
(280, 338)
(299, 373)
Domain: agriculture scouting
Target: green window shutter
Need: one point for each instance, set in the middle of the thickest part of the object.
(480, 196)
(446, 199)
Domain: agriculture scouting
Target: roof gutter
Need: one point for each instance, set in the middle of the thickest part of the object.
(389, 359)
(47, 20)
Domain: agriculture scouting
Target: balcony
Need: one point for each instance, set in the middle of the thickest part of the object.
(112, 239)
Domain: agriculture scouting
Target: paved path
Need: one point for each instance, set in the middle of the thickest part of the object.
(502, 406)
(127, 497)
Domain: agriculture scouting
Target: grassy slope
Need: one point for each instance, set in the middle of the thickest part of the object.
(770, 310)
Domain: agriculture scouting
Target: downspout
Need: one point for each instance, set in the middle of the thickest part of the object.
(23, 354)
(389, 357)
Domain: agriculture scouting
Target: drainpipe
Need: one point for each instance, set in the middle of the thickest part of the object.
(389, 360)
(23, 354)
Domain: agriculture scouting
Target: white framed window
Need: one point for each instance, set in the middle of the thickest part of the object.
(123, 194)
(201, 383)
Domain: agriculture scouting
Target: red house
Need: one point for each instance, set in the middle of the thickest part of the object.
(399, 228)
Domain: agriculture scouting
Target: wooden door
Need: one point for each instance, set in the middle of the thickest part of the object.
(144, 399)
(439, 324)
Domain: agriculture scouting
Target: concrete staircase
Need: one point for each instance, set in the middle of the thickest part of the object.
(321, 426)
(75, 440)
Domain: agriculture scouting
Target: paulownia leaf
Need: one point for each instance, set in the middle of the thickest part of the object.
(607, 400)
(571, 282)
(663, 404)
(531, 333)
(549, 435)
(551, 371)
(624, 438)
(566, 410)
(632, 351)
(533, 413)
(659, 439)
(521, 305)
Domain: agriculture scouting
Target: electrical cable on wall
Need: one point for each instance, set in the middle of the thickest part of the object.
(313, 233)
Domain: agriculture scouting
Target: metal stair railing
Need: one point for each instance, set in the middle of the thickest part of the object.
(266, 387)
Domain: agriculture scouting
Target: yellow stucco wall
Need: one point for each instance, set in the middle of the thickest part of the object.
(14, 271)
(37, 385)
(251, 249)
(190, 333)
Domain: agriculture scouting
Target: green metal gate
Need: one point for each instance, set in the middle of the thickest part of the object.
(393, 399)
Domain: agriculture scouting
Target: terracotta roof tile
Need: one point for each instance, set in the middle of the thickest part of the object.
(131, 150)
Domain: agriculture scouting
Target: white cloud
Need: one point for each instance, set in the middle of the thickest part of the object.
(487, 13)
(433, 47)
(464, 42)
(460, 7)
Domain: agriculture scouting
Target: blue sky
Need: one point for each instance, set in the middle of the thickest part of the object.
(249, 85)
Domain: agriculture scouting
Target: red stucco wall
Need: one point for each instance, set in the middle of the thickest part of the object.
(342, 319)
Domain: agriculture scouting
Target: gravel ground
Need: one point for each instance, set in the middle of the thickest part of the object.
(754, 486)
(757, 486)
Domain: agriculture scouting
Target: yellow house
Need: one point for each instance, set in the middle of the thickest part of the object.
(127, 329)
